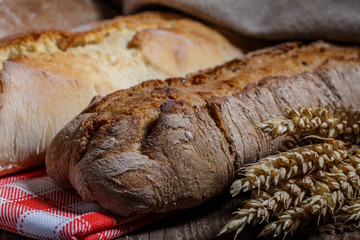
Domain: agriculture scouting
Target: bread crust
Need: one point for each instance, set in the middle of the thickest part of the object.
(48, 77)
(173, 144)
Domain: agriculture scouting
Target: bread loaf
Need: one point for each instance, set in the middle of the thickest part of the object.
(173, 144)
(48, 77)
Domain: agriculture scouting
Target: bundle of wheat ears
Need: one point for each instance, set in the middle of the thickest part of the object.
(317, 182)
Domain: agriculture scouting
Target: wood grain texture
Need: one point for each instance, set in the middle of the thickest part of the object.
(202, 222)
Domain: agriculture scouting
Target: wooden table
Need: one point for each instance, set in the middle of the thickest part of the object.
(205, 222)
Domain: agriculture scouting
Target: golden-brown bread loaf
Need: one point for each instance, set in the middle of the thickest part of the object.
(24, 15)
(48, 77)
(169, 145)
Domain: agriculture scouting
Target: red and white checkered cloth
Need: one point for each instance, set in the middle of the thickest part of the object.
(33, 205)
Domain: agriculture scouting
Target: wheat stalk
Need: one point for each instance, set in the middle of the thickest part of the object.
(301, 160)
(322, 202)
(289, 200)
(273, 201)
(350, 167)
(325, 122)
(292, 209)
(334, 188)
(267, 203)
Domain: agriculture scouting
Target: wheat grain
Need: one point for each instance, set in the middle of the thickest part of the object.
(324, 122)
(354, 160)
(351, 174)
(301, 160)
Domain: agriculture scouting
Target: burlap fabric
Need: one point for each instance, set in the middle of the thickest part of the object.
(337, 20)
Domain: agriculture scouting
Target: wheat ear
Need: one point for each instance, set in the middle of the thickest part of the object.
(272, 201)
(289, 200)
(350, 167)
(322, 202)
(334, 188)
(301, 160)
(325, 122)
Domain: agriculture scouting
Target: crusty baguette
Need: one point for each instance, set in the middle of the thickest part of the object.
(169, 145)
(49, 77)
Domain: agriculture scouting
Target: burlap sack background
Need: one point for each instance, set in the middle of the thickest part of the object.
(336, 20)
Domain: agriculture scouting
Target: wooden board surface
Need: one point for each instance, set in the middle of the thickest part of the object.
(205, 222)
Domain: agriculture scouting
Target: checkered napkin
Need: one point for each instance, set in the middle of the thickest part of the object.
(33, 205)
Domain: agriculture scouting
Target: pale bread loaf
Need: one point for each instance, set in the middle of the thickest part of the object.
(48, 77)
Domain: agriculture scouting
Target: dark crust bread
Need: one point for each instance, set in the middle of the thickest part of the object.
(173, 144)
